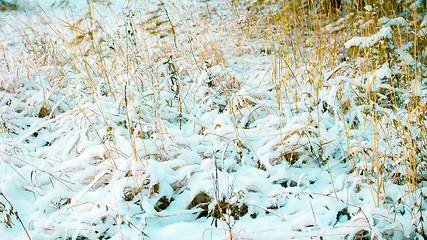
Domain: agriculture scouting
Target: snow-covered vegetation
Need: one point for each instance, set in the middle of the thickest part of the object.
(225, 119)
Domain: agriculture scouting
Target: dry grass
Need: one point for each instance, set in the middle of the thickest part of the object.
(313, 75)
(384, 117)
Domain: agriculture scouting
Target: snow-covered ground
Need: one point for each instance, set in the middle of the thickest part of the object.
(183, 120)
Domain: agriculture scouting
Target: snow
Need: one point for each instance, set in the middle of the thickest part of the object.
(367, 42)
(400, 21)
(143, 116)
(405, 57)
(424, 22)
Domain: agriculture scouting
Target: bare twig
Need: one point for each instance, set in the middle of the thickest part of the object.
(16, 214)
(170, 22)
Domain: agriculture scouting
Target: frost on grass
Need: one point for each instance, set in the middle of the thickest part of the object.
(175, 120)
